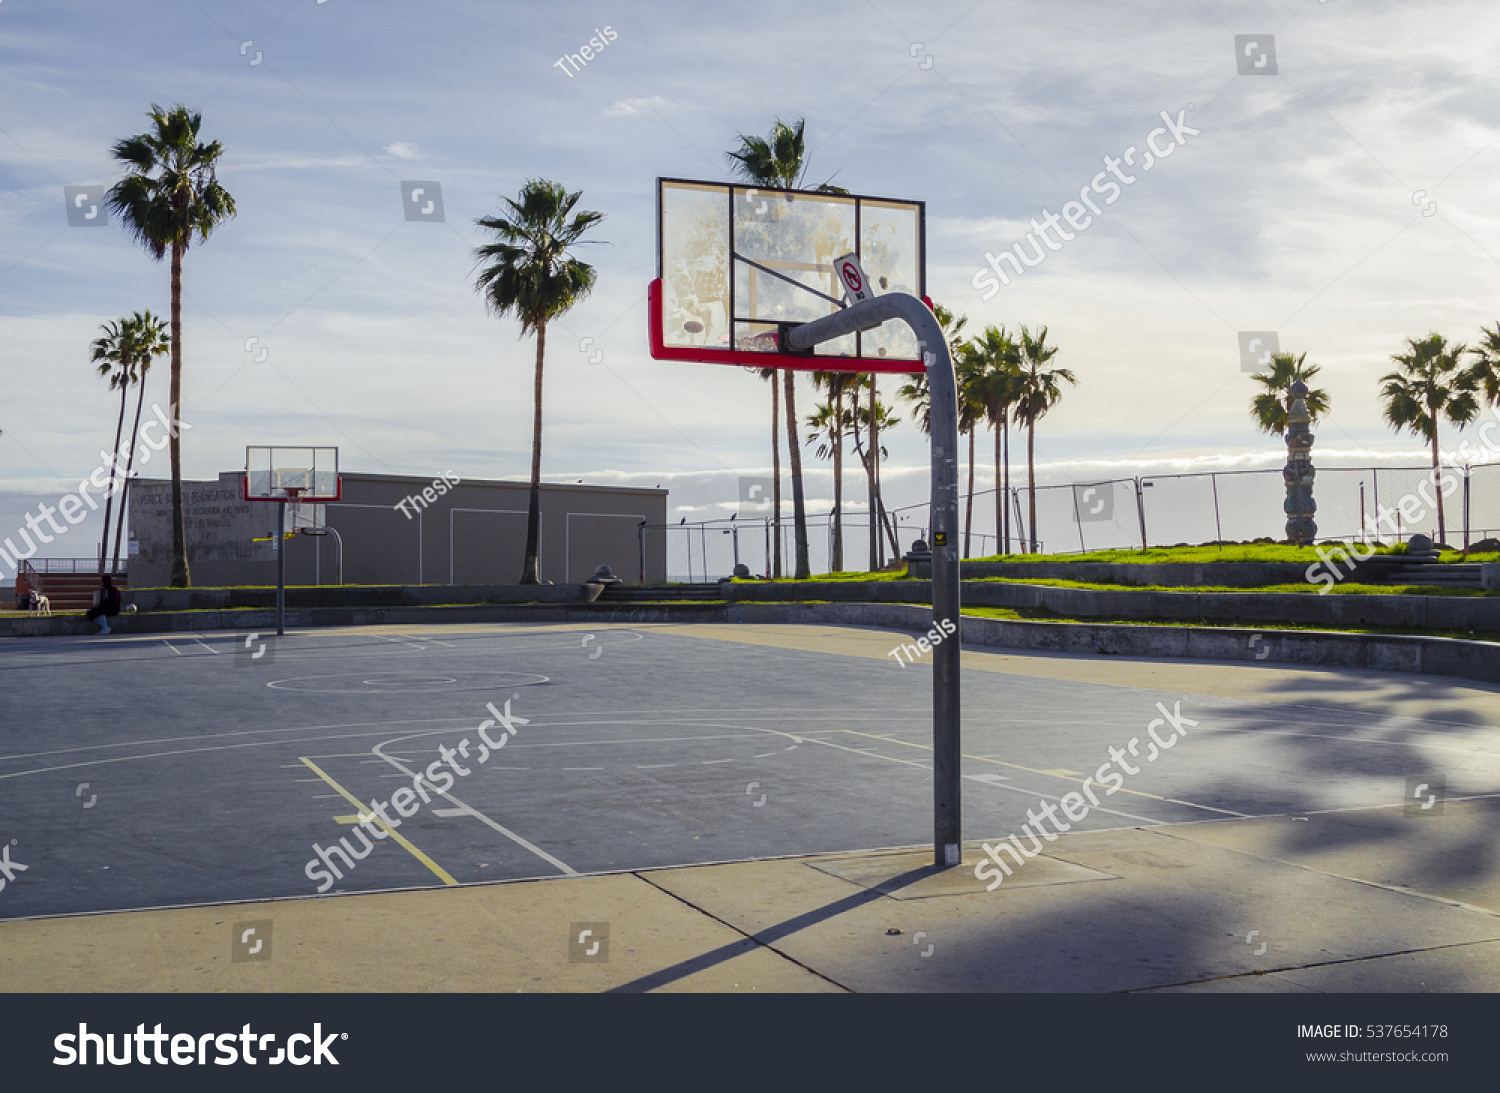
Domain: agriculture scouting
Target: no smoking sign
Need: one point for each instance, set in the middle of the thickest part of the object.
(852, 274)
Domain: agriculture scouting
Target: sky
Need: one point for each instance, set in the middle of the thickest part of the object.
(1346, 201)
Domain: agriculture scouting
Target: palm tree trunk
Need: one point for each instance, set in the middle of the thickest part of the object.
(1001, 543)
(1437, 484)
(114, 464)
(836, 563)
(1031, 483)
(776, 474)
(181, 578)
(135, 432)
(794, 450)
(531, 570)
(864, 459)
(969, 503)
(876, 509)
(1005, 429)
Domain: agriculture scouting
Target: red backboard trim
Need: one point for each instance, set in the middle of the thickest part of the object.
(245, 490)
(810, 363)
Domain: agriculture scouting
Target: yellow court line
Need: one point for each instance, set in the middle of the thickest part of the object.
(1050, 774)
(442, 873)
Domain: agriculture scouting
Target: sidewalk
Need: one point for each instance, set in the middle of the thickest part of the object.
(1366, 901)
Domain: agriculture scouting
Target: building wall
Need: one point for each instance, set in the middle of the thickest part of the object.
(473, 534)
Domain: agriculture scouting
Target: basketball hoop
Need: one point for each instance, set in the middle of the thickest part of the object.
(299, 479)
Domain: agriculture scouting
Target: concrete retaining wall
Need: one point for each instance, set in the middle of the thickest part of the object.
(206, 599)
(1172, 574)
(1473, 660)
(1480, 613)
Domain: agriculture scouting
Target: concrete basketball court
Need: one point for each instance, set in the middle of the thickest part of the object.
(743, 807)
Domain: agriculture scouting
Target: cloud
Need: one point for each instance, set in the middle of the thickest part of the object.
(655, 104)
(405, 150)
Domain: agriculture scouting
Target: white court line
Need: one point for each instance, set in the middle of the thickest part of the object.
(928, 766)
(207, 646)
(480, 816)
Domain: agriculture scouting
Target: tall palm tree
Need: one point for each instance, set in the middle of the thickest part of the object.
(1038, 391)
(527, 273)
(771, 375)
(1270, 407)
(872, 417)
(136, 341)
(1429, 384)
(996, 381)
(828, 423)
(778, 162)
(113, 352)
(169, 195)
(1485, 371)
(970, 412)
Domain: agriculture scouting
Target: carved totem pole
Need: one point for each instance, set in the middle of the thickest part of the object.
(1298, 472)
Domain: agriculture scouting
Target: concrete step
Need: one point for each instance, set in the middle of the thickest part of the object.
(1458, 575)
(656, 593)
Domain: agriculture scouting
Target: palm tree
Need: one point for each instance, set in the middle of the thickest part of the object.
(1037, 391)
(771, 375)
(1270, 407)
(970, 410)
(114, 353)
(778, 162)
(1485, 371)
(872, 417)
(828, 423)
(1430, 384)
(124, 353)
(528, 273)
(170, 193)
(154, 340)
(996, 380)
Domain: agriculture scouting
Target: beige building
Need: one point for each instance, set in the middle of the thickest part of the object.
(474, 533)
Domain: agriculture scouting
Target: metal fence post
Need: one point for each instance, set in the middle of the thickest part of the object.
(1213, 480)
(1466, 510)
(1140, 511)
(1078, 518)
(640, 538)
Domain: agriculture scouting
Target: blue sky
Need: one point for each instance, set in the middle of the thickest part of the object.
(1293, 210)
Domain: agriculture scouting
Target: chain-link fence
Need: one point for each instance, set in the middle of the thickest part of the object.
(1237, 506)
(1121, 513)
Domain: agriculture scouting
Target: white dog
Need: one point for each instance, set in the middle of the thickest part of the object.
(38, 605)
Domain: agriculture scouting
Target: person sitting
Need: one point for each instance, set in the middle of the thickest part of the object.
(108, 606)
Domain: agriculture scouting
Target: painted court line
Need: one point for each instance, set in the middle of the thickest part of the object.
(481, 817)
(441, 873)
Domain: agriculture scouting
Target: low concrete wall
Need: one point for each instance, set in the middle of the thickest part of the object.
(1481, 613)
(1171, 574)
(1474, 660)
(205, 599)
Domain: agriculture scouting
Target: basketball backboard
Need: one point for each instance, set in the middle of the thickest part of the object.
(734, 261)
(307, 475)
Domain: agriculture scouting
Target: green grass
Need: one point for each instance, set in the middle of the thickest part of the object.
(1348, 589)
(1042, 614)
